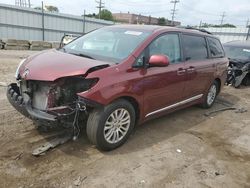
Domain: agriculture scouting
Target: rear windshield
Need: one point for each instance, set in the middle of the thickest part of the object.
(239, 53)
(108, 44)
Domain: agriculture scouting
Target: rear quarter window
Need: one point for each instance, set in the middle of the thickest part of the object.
(195, 47)
(215, 48)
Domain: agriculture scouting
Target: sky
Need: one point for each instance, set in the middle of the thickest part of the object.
(190, 12)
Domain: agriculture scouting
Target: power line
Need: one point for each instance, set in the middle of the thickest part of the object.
(222, 17)
(173, 11)
(142, 3)
(192, 9)
(100, 6)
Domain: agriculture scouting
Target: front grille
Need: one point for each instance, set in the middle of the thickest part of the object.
(23, 90)
(40, 97)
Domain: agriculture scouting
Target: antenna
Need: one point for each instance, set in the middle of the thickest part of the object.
(173, 11)
(100, 6)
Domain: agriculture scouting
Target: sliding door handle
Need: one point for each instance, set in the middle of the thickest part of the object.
(190, 70)
(181, 71)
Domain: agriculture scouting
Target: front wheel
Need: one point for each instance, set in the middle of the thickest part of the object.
(211, 95)
(110, 127)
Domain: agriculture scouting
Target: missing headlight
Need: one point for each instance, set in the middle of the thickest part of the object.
(74, 85)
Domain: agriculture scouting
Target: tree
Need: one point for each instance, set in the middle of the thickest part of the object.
(228, 25)
(51, 8)
(48, 8)
(106, 15)
(161, 21)
(93, 15)
(206, 25)
(38, 8)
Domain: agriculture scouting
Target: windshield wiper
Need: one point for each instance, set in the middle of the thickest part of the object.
(84, 55)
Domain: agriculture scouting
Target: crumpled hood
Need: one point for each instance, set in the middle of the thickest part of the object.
(53, 64)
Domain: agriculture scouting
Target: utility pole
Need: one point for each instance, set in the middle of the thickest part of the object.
(248, 33)
(84, 21)
(222, 17)
(100, 6)
(200, 24)
(173, 11)
(43, 34)
(248, 26)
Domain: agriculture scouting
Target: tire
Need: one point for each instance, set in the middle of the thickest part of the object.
(236, 86)
(213, 90)
(104, 118)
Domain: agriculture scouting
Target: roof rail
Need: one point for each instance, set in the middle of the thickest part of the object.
(201, 30)
(193, 28)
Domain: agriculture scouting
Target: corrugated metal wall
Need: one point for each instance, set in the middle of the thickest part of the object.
(229, 34)
(27, 24)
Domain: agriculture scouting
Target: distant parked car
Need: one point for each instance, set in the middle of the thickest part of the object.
(67, 38)
(119, 76)
(238, 53)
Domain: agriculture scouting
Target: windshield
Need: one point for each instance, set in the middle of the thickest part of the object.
(239, 53)
(107, 44)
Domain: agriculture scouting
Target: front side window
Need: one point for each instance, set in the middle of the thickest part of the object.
(168, 45)
(195, 47)
(215, 47)
(107, 44)
(140, 60)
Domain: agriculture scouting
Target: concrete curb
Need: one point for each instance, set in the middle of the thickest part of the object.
(55, 44)
(1, 44)
(14, 44)
(40, 45)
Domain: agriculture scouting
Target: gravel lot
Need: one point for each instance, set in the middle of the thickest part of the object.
(182, 149)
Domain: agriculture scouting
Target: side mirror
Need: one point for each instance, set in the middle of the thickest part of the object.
(158, 61)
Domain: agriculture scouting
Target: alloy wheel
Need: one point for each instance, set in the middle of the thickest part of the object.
(117, 126)
(211, 94)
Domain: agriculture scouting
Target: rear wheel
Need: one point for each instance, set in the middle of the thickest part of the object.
(211, 95)
(110, 127)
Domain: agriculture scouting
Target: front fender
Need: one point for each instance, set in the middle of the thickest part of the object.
(107, 94)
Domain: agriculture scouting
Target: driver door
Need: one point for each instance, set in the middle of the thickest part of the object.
(164, 86)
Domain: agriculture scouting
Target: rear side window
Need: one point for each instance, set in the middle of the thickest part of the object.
(195, 47)
(215, 47)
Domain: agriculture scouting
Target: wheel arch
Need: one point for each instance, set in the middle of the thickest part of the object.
(218, 80)
(134, 103)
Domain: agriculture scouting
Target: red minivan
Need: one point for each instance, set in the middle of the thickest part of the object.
(118, 76)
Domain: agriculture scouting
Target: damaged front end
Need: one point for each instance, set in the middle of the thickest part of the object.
(238, 73)
(52, 102)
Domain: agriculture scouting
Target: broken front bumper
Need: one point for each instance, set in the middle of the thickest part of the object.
(23, 105)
